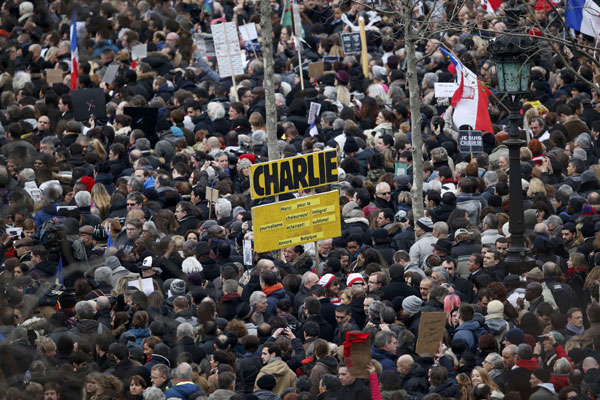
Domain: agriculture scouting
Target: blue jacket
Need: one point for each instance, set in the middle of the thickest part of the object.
(99, 47)
(466, 331)
(385, 358)
(183, 390)
(274, 298)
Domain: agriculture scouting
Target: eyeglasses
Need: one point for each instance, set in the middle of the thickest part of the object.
(384, 193)
(131, 204)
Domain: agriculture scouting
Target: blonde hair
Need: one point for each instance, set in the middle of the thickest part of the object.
(45, 345)
(593, 277)
(101, 199)
(485, 377)
(342, 94)
(98, 148)
(135, 214)
(536, 186)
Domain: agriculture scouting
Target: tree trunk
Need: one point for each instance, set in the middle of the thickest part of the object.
(267, 53)
(415, 122)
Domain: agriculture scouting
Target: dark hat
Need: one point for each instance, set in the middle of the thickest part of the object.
(444, 245)
(343, 77)
(351, 146)
(202, 249)
(151, 194)
(73, 126)
(515, 336)
(542, 374)
(380, 234)
(67, 300)
(87, 229)
(266, 382)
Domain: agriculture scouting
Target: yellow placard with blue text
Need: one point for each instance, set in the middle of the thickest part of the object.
(293, 222)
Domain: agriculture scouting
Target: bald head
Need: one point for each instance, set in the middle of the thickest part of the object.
(588, 363)
(309, 279)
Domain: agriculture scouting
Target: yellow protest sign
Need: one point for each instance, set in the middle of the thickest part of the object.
(294, 173)
(292, 222)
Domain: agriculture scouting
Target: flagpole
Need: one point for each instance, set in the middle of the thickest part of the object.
(364, 58)
(299, 48)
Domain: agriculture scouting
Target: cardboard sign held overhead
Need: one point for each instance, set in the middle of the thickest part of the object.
(351, 42)
(227, 48)
(315, 109)
(88, 103)
(212, 195)
(140, 51)
(431, 332)
(297, 20)
(248, 32)
(316, 69)
(110, 74)
(470, 142)
(54, 75)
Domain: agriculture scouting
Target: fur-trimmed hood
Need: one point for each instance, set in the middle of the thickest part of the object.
(146, 75)
(357, 219)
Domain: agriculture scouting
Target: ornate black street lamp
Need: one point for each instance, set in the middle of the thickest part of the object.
(511, 52)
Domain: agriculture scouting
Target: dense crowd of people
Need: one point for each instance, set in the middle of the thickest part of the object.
(92, 207)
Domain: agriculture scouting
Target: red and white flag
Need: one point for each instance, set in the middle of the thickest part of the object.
(491, 5)
(470, 100)
(74, 51)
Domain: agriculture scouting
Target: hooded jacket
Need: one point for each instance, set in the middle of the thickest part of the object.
(327, 365)
(545, 391)
(466, 331)
(415, 381)
(283, 375)
(497, 327)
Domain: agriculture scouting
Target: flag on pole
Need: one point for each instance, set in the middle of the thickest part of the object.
(286, 16)
(491, 5)
(470, 100)
(74, 51)
(59, 272)
(583, 16)
(109, 242)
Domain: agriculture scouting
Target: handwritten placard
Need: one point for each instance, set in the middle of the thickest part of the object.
(431, 332)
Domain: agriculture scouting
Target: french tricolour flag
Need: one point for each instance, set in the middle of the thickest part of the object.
(491, 5)
(583, 16)
(470, 100)
(74, 51)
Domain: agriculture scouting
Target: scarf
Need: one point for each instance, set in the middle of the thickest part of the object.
(574, 329)
(574, 271)
(270, 289)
